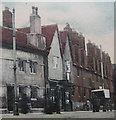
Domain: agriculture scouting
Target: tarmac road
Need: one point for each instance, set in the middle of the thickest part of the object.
(76, 115)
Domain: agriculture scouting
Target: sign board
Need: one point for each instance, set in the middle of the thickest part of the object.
(105, 91)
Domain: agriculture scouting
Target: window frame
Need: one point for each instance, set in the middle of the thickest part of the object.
(55, 62)
(22, 65)
(33, 67)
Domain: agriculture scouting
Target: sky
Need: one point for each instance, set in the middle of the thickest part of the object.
(94, 19)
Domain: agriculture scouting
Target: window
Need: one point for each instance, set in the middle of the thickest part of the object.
(76, 54)
(83, 74)
(84, 92)
(22, 90)
(68, 70)
(55, 62)
(68, 77)
(96, 78)
(92, 77)
(78, 72)
(34, 92)
(33, 67)
(22, 65)
(82, 57)
(68, 67)
(99, 67)
(79, 90)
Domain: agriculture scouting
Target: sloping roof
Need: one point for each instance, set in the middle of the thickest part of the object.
(21, 39)
(7, 37)
(63, 37)
(25, 30)
(48, 31)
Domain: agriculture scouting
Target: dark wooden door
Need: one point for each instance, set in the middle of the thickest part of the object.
(10, 97)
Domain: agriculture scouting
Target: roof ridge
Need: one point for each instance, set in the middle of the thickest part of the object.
(49, 25)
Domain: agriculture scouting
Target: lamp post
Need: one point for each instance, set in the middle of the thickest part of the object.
(14, 66)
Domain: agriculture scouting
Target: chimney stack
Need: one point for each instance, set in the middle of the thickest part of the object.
(35, 37)
(7, 18)
(35, 21)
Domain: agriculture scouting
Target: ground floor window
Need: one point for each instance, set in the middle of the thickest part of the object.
(34, 90)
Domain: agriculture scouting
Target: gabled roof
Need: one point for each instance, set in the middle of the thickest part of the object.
(63, 37)
(48, 31)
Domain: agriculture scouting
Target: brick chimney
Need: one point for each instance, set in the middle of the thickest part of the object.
(7, 18)
(35, 21)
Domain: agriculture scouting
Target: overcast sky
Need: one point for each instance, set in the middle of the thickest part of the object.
(94, 19)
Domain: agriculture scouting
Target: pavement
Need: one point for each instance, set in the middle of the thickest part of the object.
(80, 115)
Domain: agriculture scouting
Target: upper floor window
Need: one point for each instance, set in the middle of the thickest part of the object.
(76, 54)
(84, 92)
(22, 65)
(55, 62)
(33, 67)
(83, 74)
(82, 57)
(68, 66)
(78, 72)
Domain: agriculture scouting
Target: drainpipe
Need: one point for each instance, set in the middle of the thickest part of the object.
(102, 67)
(14, 66)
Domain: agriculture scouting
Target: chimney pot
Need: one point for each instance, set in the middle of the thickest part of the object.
(6, 8)
(33, 10)
(36, 10)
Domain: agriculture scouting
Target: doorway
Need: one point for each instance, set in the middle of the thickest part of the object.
(10, 97)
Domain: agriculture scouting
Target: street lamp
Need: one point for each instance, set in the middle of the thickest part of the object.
(14, 66)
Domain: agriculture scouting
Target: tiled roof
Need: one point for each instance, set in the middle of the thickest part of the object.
(25, 30)
(21, 39)
(7, 37)
(48, 31)
(63, 37)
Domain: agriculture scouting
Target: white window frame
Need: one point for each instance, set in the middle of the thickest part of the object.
(33, 67)
(55, 62)
(22, 65)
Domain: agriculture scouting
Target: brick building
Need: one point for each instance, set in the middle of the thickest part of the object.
(87, 68)
(61, 58)
(114, 82)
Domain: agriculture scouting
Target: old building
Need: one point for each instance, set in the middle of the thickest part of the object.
(86, 67)
(30, 61)
(67, 70)
(114, 83)
(95, 68)
(48, 62)
(54, 60)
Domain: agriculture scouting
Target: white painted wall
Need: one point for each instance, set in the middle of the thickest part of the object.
(25, 78)
(57, 73)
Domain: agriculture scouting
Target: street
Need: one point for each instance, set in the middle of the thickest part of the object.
(63, 115)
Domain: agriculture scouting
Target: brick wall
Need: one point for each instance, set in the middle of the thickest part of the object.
(7, 18)
(87, 68)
